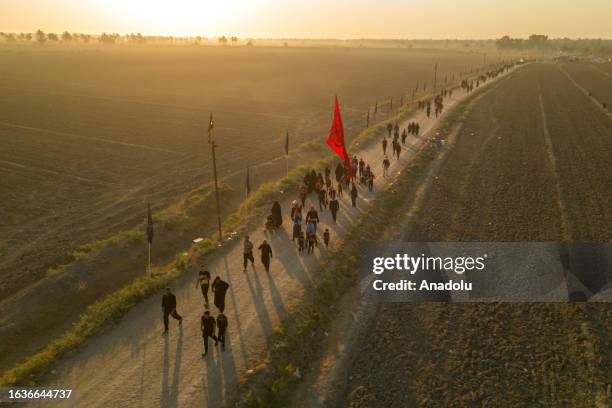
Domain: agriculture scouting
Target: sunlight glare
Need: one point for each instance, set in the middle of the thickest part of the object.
(178, 17)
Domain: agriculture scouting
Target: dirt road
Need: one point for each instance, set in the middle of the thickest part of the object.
(133, 365)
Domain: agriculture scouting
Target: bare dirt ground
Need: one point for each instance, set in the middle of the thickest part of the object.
(530, 155)
(88, 136)
(132, 365)
(595, 78)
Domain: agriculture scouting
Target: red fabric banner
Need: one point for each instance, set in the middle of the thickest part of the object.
(335, 140)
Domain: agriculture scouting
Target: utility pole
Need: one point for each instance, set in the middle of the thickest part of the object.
(213, 146)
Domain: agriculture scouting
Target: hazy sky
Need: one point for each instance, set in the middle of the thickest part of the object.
(315, 18)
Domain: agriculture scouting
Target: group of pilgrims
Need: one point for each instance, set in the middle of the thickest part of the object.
(425, 105)
(326, 191)
(305, 228)
(468, 86)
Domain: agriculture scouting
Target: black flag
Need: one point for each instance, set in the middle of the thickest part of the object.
(248, 183)
(211, 126)
(149, 225)
(287, 144)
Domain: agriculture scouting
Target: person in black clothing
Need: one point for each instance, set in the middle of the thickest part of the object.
(297, 229)
(371, 181)
(386, 165)
(208, 330)
(266, 254)
(334, 206)
(339, 172)
(384, 145)
(354, 195)
(169, 309)
(326, 237)
(322, 199)
(219, 288)
(277, 216)
(313, 215)
(204, 283)
(221, 327)
(301, 242)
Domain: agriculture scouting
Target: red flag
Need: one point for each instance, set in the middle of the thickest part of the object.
(335, 140)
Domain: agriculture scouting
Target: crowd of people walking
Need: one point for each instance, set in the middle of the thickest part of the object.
(325, 190)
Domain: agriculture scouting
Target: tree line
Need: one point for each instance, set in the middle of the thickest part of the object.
(543, 43)
(40, 37)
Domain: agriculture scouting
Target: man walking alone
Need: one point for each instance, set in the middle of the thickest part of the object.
(169, 309)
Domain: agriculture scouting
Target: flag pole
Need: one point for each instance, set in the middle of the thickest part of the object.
(150, 233)
(287, 153)
(213, 145)
(248, 190)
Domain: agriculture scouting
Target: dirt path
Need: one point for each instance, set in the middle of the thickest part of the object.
(133, 365)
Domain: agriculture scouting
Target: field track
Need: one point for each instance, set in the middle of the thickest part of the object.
(531, 163)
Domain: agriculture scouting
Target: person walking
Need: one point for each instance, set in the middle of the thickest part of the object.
(311, 237)
(207, 326)
(313, 216)
(277, 216)
(301, 242)
(334, 206)
(204, 283)
(384, 145)
(266, 254)
(297, 228)
(322, 195)
(221, 328)
(354, 195)
(169, 309)
(302, 194)
(296, 210)
(247, 253)
(371, 182)
(386, 165)
(326, 237)
(219, 288)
